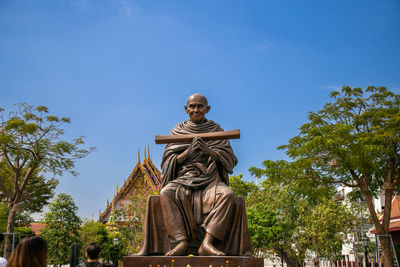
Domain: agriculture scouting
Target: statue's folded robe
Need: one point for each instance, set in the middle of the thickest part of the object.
(155, 236)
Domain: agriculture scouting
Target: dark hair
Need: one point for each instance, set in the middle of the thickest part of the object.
(93, 251)
(31, 251)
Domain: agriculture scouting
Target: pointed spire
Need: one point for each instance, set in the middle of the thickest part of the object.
(138, 155)
(145, 153)
(111, 225)
(148, 151)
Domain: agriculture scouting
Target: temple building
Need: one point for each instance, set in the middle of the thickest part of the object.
(394, 224)
(144, 174)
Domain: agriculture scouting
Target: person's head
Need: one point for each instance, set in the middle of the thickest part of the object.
(31, 251)
(197, 107)
(93, 251)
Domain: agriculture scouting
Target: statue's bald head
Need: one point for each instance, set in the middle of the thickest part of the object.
(197, 107)
(198, 98)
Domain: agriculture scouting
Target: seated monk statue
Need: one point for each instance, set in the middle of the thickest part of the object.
(196, 202)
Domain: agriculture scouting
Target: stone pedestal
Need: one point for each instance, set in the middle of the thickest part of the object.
(195, 261)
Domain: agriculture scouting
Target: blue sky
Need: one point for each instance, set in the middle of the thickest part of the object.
(122, 71)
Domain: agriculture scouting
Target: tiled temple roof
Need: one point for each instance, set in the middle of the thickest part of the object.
(145, 171)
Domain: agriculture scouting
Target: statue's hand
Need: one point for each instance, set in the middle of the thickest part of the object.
(202, 146)
(189, 151)
(195, 145)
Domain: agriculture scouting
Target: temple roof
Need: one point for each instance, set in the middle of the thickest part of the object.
(395, 212)
(146, 171)
(394, 224)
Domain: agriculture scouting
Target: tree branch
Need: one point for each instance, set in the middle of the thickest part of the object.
(35, 156)
(24, 182)
(7, 158)
(355, 176)
(4, 189)
(16, 188)
(340, 181)
(371, 208)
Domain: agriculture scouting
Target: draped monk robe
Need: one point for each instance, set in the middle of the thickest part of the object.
(195, 198)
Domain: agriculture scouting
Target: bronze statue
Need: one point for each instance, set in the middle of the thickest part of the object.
(196, 212)
(195, 198)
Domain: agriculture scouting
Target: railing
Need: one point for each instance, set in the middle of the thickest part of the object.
(353, 264)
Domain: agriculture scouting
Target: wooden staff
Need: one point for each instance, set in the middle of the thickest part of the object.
(187, 138)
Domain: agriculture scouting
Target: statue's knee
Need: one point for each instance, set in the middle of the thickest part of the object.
(164, 192)
(167, 192)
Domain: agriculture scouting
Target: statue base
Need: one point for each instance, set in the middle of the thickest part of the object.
(194, 261)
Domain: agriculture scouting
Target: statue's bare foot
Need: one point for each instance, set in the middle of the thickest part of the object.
(207, 248)
(179, 250)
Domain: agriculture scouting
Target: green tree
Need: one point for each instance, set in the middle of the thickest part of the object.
(264, 226)
(3, 217)
(130, 217)
(289, 210)
(326, 225)
(24, 231)
(31, 143)
(62, 228)
(38, 191)
(37, 194)
(352, 141)
(94, 232)
(108, 251)
(241, 187)
(23, 219)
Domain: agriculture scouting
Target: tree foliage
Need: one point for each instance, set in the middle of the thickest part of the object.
(94, 232)
(264, 226)
(37, 193)
(108, 251)
(24, 231)
(31, 143)
(326, 225)
(62, 226)
(241, 187)
(130, 217)
(352, 141)
(282, 210)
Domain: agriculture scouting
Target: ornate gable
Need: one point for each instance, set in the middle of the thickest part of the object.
(144, 174)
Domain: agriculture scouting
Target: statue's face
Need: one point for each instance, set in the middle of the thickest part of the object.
(197, 108)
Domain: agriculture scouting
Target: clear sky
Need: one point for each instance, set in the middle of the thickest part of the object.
(123, 69)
